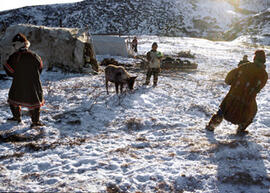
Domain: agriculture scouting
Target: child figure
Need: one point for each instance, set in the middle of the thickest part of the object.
(153, 58)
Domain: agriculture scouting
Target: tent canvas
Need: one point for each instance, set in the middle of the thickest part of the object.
(110, 45)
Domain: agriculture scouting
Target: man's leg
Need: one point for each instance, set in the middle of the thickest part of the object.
(16, 112)
(215, 121)
(35, 114)
(242, 128)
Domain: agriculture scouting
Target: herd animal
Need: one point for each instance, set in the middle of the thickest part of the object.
(119, 76)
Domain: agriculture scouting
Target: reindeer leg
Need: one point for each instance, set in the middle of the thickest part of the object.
(107, 86)
(121, 87)
(116, 88)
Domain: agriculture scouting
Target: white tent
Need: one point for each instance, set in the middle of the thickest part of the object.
(110, 45)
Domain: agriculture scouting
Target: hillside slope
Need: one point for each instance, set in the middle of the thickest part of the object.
(256, 28)
(196, 18)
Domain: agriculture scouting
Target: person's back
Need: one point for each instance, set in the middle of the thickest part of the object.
(27, 66)
(250, 78)
(26, 78)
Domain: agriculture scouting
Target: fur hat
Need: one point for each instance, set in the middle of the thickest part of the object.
(20, 41)
(154, 44)
(259, 56)
(19, 38)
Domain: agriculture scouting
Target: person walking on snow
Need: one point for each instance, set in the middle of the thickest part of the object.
(25, 67)
(153, 58)
(239, 106)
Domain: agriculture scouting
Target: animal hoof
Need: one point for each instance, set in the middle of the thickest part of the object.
(209, 128)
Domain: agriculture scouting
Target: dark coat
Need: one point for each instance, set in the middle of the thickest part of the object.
(25, 68)
(242, 62)
(239, 106)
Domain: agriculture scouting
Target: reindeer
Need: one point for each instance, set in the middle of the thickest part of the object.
(119, 76)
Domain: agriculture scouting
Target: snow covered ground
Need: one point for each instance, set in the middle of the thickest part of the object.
(147, 140)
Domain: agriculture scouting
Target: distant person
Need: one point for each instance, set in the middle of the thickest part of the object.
(25, 68)
(134, 44)
(153, 58)
(239, 106)
(243, 61)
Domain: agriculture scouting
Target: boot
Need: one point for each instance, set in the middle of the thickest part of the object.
(35, 113)
(215, 121)
(241, 130)
(16, 112)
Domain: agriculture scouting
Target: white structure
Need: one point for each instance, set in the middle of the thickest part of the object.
(110, 45)
(62, 47)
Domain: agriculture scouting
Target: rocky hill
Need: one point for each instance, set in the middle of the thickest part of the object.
(194, 18)
(255, 27)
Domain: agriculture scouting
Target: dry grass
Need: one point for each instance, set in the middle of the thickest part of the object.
(14, 155)
(141, 139)
(186, 54)
(6, 137)
(163, 187)
(31, 176)
(123, 150)
(33, 146)
(242, 178)
(112, 188)
(134, 124)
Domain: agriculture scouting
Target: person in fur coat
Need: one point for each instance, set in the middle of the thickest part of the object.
(25, 67)
(239, 106)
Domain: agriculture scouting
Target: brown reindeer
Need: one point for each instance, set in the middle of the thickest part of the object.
(119, 76)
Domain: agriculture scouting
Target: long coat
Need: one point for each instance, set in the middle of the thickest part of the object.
(25, 68)
(239, 106)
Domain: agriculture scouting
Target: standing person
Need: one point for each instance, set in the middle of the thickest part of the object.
(243, 61)
(239, 106)
(134, 44)
(153, 58)
(25, 68)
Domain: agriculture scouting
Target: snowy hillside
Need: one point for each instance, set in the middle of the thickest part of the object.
(254, 5)
(199, 18)
(256, 28)
(148, 140)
